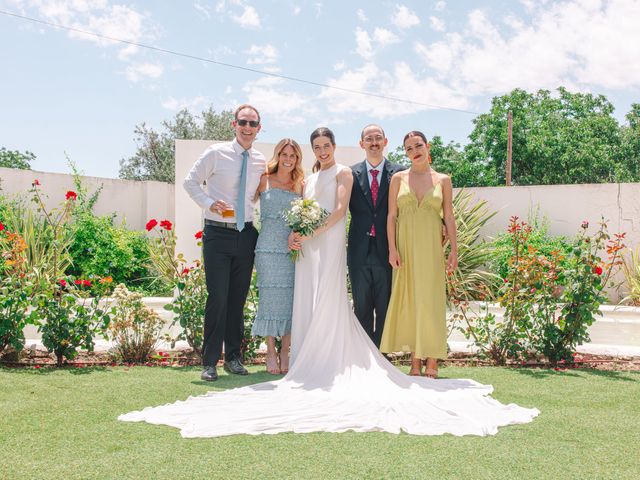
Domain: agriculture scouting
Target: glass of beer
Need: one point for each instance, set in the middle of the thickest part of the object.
(229, 212)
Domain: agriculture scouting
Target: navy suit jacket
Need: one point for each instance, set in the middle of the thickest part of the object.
(363, 214)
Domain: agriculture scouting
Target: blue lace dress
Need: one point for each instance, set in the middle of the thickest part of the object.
(275, 270)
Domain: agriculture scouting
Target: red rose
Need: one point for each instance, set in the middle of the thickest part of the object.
(2, 228)
(36, 366)
(185, 271)
(86, 283)
(198, 235)
(151, 224)
(63, 283)
(166, 224)
(71, 195)
(598, 270)
(35, 182)
(78, 282)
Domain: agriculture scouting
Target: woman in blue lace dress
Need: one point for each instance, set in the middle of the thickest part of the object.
(279, 186)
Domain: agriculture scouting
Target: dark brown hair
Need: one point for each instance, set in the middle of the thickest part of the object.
(321, 132)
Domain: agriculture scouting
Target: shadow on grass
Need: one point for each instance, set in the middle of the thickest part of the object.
(617, 375)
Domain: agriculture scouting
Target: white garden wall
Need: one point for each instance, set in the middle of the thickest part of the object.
(133, 202)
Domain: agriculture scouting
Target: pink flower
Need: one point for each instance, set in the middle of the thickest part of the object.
(585, 224)
(71, 195)
(151, 224)
(35, 183)
(166, 224)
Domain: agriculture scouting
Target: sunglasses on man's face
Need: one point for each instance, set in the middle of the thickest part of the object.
(252, 123)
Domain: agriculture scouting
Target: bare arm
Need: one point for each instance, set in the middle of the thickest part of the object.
(392, 216)
(449, 222)
(262, 186)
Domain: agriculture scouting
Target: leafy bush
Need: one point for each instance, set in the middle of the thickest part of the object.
(100, 247)
(135, 328)
(71, 318)
(17, 290)
(549, 301)
(538, 238)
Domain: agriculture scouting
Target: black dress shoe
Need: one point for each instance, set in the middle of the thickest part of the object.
(209, 374)
(234, 366)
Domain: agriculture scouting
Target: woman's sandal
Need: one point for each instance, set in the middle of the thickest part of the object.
(272, 366)
(415, 372)
(430, 372)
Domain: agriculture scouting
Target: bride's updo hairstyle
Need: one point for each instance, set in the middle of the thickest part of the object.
(321, 132)
(416, 133)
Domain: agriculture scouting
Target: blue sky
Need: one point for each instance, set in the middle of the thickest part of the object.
(62, 91)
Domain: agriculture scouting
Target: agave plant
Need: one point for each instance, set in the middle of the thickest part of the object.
(631, 270)
(472, 281)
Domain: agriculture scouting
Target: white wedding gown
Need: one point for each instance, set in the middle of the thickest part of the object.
(338, 380)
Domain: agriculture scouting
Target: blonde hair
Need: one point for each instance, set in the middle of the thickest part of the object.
(297, 174)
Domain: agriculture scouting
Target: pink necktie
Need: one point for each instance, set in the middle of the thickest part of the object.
(374, 195)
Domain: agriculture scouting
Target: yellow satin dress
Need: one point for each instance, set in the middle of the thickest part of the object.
(416, 317)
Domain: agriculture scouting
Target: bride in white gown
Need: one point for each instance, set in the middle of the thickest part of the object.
(338, 380)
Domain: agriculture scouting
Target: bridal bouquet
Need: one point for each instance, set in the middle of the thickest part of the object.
(304, 216)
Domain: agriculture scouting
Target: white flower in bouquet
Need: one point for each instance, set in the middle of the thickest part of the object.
(304, 216)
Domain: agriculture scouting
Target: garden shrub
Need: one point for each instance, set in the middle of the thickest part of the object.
(134, 328)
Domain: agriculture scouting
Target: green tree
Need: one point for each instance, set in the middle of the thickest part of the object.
(563, 139)
(155, 156)
(16, 159)
(450, 159)
(631, 142)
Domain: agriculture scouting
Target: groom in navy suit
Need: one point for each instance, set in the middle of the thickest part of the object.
(368, 247)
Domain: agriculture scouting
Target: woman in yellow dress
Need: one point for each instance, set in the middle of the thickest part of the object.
(419, 198)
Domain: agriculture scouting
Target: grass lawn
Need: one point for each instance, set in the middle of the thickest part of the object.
(61, 424)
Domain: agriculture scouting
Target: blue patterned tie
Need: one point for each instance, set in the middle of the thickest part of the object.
(241, 190)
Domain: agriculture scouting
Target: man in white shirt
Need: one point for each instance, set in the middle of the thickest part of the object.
(231, 173)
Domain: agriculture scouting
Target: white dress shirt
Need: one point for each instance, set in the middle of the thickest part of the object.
(379, 168)
(219, 166)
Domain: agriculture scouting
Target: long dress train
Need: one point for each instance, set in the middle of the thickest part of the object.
(338, 380)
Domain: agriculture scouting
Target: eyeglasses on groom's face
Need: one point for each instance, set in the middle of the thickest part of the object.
(252, 123)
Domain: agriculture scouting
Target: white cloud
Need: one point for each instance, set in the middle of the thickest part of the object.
(384, 37)
(176, 104)
(339, 65)
(440, 6)
(361, 15)
(286, 108)
(102, 17)
(262, 54)
(437, 24)
(404, 18)
(402, 82)
(296, 10)
(140, 71)
(363, 44)
(202, 9)
(581, 44)
(249, 18)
